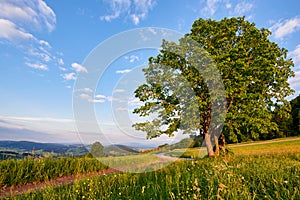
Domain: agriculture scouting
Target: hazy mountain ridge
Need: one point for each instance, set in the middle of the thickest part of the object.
(34, 146)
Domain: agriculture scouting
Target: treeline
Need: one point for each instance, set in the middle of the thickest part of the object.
(288, 126)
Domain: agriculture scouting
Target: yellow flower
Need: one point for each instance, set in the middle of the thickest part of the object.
(143, 189)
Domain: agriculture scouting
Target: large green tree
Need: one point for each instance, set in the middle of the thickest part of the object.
(183, 89)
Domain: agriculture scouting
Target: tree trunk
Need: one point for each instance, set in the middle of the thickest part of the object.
(222, 143)
(208, 144)
(217, 151)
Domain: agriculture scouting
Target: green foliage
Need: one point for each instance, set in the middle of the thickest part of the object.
(295, 103)
(97, 150)
(284, 122)
(288, 125)
(254, 71)
(239, 177)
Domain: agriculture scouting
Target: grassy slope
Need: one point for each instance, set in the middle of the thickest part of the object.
(277, 146)
(273, 173)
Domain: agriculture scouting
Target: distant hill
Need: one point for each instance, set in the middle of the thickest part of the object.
(26, 146)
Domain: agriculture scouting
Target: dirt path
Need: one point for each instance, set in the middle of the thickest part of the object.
(31, 187)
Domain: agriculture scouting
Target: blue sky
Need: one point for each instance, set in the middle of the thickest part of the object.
(43, 46)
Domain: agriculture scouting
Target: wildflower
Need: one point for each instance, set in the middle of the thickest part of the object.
(196, 182)
(143, 189)
(285, 181)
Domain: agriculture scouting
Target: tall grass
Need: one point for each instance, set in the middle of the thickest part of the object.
(16, 172)
(237, 177)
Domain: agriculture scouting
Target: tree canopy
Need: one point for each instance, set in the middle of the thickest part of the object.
(184, 83)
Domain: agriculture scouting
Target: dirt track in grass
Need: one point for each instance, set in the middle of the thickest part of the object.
(31, 187)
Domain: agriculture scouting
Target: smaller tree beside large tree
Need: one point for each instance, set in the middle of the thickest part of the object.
(97, 150)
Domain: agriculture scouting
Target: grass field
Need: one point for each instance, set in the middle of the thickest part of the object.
(16, 172)
(255, 171)
(255, 148)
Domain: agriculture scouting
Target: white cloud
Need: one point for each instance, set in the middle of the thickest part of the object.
(34, 14)
(135, 102)
(295, 81)
(136, 19)
(123, 71)
(119, 91)
(40, 53)
(69, 76)
(137, 10)
(283, 28)
(62, 69)
(132, 58)
(85, 96)
(100, 96)
(96, 100)
(111, 99)
(228, 5)
(45, 43)
(296, 55)
(117, 7)
(48, 16)
(20, 20)
(11, 32)
(79, 68)
(210, 7)
(87, 90)
(242, 8)
(37, 66)
(152, 30)
(60, 61)
(38, 119)
(38, 129)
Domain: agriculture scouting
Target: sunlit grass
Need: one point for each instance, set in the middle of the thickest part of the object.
(253, 171)
(16, 172)
(278, 147)
(230, 177)
(133, 163)
(255, 148)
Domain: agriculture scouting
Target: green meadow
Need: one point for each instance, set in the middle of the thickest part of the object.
(268, 170)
